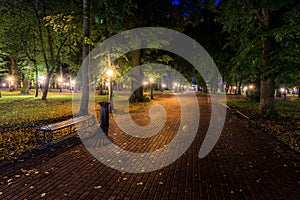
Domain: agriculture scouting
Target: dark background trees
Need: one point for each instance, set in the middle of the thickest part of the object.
(250, 41)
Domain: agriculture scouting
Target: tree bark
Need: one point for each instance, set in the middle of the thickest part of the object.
(137, 95)
(25, 87)
(267, 83)
(267, 88)
(85, 65)
(36, 80)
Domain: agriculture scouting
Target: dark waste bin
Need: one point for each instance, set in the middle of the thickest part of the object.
(104, 116)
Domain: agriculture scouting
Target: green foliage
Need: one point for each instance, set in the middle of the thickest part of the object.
(252, 95)
(146, 98)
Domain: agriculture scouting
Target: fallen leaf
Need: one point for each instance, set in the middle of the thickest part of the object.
(140, 183)
(161, 183)
(1, 193)
(17, 175)
(31, 187)
(43, 194)
(98, 187)
(125, 179)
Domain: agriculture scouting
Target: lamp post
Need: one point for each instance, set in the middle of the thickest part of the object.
(73, 82)
(151, 80)
(60, 79)
(175, 86)
(145, 83)
(10, 83)
(110, 73)
(283, 93)
(42, 79)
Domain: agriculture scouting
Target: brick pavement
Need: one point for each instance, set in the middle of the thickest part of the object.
(245, 164)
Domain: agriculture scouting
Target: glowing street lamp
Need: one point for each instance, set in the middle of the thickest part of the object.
(10, 83)
(175, 86)
(73, 82)
(110, 73)
(60, 79)
(42, 79)
(283, 93)
(145, 83)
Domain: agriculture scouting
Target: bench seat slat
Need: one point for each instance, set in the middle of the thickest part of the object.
(63, 124)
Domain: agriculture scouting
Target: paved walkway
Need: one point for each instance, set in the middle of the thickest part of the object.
(245, 164)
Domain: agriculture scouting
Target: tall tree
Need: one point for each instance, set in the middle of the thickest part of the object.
(258, 24)
(85, 65)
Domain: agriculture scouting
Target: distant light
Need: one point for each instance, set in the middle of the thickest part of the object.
(151, 80)
(60, 79)
(251, 87)
(175, 2)
(110, 72)
(145, 82)
(245, 88)
(42, 78)
(3, 84)
(73, 82)
(163, 85)
(282, 89)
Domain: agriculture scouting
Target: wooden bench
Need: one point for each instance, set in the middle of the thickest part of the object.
(44, 133)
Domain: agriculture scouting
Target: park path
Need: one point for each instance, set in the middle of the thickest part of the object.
(245, 164)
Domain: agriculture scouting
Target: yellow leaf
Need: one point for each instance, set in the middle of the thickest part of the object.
(43, 194)
(98, 187)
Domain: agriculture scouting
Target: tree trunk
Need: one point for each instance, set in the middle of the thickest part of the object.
(85, 65)
(13, 71)
(267, 88)
(36, 80)
(239, 87)
(25, 87)
(267, 85)
(46, 86)
(137, 82)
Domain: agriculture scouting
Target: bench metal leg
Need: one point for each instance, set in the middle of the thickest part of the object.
(45, 138)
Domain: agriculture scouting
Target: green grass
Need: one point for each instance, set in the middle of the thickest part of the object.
(285, 126)
(21, 114)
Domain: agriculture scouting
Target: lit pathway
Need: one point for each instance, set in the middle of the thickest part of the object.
(245, 164)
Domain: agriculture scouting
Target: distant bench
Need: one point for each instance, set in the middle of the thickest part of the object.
(44, 133)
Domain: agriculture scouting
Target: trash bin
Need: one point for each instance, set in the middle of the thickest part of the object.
(104, 117)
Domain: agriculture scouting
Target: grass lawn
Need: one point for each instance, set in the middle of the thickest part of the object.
(21, 114)
(285, 126)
